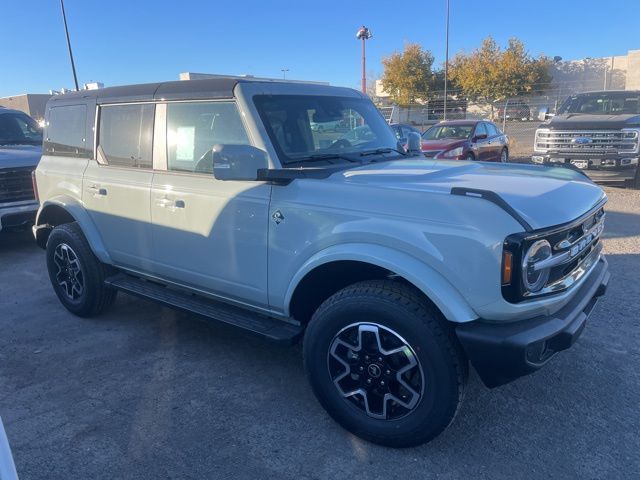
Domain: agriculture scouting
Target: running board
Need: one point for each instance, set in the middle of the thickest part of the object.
(268, 327)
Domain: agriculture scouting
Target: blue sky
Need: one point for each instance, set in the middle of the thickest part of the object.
(135, 41)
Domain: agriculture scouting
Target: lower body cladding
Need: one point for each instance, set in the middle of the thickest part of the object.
(501, 353)
(17, 215)
(615, 169)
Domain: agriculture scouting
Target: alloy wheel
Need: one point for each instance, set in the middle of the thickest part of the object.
(376, 370)
(69, 275)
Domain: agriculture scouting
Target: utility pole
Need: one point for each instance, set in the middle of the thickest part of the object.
(446, 62)
(66, 30)
(364, 34)
(284, 73)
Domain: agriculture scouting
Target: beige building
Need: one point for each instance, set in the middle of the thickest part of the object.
(30, 103)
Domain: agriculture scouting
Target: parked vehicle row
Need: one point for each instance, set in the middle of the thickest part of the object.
(219, 197)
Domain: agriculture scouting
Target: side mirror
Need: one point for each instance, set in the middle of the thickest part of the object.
(482, 136)
(414, 143)
(238, 162)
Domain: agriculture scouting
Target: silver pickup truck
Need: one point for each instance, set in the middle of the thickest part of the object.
(220, 197)
(20, 150)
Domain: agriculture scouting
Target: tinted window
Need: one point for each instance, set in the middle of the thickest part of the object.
(19, 129)
(66, 131)
(194, 128)
(615, 103)
(126, 135)
(491, 129)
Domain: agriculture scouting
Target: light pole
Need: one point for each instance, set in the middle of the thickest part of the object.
(446, 62)
(66, 30)
(364, 34)
(284, 73)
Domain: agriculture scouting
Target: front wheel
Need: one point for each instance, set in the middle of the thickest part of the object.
(384, 364)
(76, 275)
(504, 156)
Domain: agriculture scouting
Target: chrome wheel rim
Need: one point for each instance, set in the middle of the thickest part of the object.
(69, 275)
(376, 370)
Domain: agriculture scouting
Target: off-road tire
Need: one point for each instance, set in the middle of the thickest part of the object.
(95, 297)
(402, 309)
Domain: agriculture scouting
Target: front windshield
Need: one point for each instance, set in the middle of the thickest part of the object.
(311, 127)
(19, 129)
(605, 103)
(443, 132)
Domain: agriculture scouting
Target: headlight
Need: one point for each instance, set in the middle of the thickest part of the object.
(456, 152)
(535, 280)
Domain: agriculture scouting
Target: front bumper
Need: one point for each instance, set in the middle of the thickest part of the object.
(618, 169)
(17, 215)
(501, 353)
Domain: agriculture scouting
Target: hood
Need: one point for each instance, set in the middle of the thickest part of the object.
(542, 196)
(580, 121)
(445, 144)
(13, 156)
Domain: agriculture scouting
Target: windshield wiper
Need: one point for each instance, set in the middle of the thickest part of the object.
(380, 151)
(330, 156)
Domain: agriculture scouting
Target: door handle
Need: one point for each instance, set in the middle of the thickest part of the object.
(96, 190)
(170, 204)
(163, 202)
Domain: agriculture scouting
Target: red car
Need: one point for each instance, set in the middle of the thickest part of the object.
(466, 140)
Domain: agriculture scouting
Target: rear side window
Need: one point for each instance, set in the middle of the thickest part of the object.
(126, 135)
(66, 131)
(194, 128)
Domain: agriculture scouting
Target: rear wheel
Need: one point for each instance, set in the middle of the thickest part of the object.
(470, 157)
(384, 364)
(76, 275)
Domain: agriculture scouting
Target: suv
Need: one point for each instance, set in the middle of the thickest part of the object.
(20, 150)
(597, 133)
(217, 197)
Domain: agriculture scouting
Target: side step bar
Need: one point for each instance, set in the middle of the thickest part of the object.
(273, 329)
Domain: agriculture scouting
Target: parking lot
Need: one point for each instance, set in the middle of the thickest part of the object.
(145, 392)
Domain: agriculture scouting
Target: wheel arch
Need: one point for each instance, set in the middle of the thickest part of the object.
(336, 267)
(61, 210)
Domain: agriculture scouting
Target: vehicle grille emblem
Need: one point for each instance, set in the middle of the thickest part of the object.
(582, 140)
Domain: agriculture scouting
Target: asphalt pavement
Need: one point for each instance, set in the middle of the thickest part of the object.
(143, 392)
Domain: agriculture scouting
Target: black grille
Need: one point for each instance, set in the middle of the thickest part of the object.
(16, 185)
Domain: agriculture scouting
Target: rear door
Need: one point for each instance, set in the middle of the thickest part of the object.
(117, 185)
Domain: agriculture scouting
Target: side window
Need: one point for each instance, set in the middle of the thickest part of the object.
(491, 129)
(126, 135)
(193, 129)
(65, 133)
(480, 129)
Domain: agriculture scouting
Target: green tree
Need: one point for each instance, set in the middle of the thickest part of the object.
(408, 75)
(493, 74)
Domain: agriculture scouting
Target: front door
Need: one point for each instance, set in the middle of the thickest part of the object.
(208, 234)
(117, 186)
(482, 147)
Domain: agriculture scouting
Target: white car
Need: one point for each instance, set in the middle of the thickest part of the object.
(213, 197)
